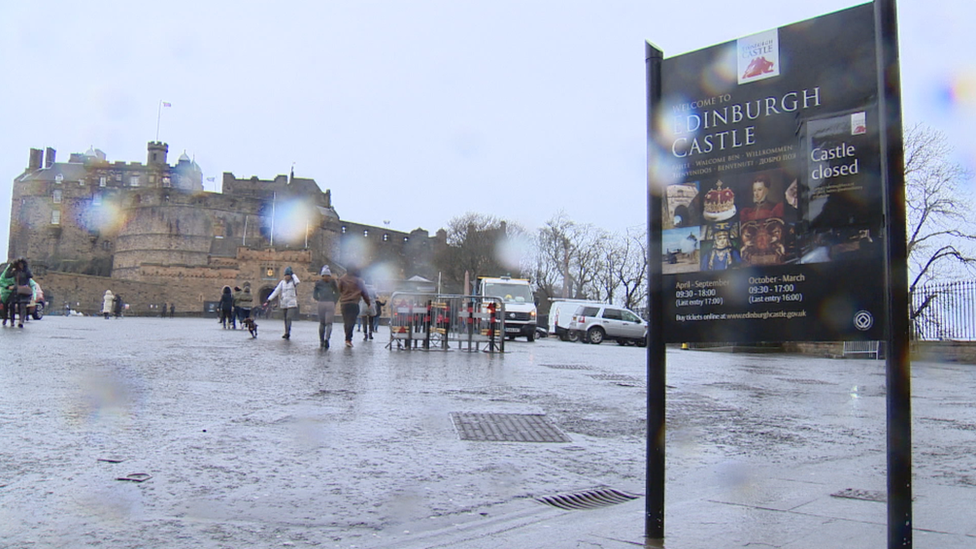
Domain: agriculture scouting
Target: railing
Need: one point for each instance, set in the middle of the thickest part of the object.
(436, 321)
(944, 311)
(868, 348)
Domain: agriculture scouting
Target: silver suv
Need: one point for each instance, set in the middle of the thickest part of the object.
(594, 323)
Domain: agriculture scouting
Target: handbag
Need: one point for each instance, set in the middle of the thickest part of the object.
(24, 290)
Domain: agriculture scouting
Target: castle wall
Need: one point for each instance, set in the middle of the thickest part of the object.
(81, 239)
(154, 224)
(84, 294)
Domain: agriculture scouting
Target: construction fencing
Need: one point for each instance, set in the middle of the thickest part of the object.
(437, 321)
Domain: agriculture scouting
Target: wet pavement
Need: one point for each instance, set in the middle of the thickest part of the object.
(272, 443)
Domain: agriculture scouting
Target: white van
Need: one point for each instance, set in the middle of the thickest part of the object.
(561, 314)
(520, 310)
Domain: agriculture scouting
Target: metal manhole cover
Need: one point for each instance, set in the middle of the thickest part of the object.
(864, 495)
(507, 428)
(590, 499)
(567, 367)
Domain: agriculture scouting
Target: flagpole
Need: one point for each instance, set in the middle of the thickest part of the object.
(274, 198)
(159, 112)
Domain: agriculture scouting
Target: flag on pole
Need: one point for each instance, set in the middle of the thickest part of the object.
(167, 104)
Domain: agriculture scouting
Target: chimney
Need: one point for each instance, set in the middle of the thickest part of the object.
(36, 159)
(49, 157)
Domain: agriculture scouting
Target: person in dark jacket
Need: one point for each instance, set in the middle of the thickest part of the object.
(226, 307)
(17, 278)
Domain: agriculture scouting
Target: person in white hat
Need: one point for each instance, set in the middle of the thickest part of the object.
(287, 292)
(326, 293)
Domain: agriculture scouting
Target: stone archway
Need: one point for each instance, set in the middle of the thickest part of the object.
(262, 295)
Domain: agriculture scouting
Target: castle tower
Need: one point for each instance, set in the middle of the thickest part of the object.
(157, 154)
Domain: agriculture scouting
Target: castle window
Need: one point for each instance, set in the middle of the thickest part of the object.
(134, 181)
(152, 179)
(406, 239)
(366, 233)
(106, 244)
(101, 181)
(166, 182)
(55, 217)
(118, 177)
(386, 237)
(58, 178)
(56, 196)
(343, 229)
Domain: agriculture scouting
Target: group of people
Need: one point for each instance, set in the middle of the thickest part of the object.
(16, 291)
(112, 304)
(347, 292)
(235, 306)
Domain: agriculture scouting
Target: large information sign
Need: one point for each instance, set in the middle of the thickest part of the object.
(772, 202)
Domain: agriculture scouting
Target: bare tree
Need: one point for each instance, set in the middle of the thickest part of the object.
(570, 256)
(480, 244)
(941, 228)
(631, 270)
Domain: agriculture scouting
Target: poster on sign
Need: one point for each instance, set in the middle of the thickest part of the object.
(767, 149)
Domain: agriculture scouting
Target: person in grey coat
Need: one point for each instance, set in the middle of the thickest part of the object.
(326, 293)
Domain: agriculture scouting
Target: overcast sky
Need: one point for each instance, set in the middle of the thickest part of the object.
(410, 112)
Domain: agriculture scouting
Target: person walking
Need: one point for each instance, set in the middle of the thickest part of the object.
(18, 283)
(226, 306)
(364, 312)
(108, 301)
(326, 293)
(287, 293)
(244, 303)
(7, 293)
(236, 313)
(351, 290)
(118, 305)
(377, 310)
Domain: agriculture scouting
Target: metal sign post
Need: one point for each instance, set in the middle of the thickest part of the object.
(656, 355)
(897, 361)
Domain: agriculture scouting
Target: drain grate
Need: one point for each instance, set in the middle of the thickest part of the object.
(619, 378)
(567, 366)
(591, 499)
(507, 428)
(864, 495)
(805, 381)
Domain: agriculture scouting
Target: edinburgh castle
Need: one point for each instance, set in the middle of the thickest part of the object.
(151, 233)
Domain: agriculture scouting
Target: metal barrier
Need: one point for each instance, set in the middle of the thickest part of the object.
(862, 348)
(435, 321)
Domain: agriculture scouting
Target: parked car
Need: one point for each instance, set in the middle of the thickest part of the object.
(596, 323)
(36, 306)
(561, 314)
